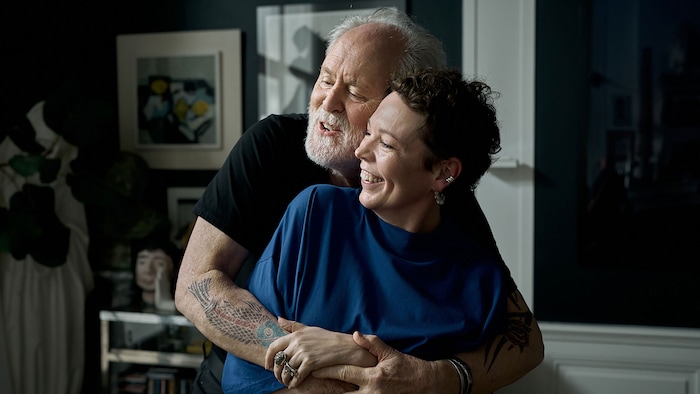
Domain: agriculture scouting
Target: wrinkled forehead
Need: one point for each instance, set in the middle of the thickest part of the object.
(369, 52)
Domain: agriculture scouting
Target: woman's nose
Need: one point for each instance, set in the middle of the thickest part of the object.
(361, 152)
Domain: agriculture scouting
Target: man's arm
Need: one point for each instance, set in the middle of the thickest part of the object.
(510, 355)
(226, 314)
(504, 360)
(206, 294)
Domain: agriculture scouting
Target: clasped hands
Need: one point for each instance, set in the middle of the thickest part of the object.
(364, 361)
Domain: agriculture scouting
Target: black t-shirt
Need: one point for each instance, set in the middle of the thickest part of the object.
(266, 168)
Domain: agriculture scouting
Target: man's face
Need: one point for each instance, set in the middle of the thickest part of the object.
(353, 79)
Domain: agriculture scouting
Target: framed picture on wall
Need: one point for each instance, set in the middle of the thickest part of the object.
(181, 200)
(291, 46)
(180, 96)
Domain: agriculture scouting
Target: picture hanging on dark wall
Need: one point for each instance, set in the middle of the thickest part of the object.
(180, 96)
(178, 102)
(291, 46)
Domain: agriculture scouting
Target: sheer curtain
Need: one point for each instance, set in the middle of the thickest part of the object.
(42, 309)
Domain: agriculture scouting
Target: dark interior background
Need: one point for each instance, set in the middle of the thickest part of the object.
(47, 44)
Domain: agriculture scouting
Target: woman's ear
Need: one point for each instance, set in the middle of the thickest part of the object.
(449, 171)
(454, 167)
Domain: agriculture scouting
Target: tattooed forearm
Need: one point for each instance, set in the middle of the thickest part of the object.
(245, 322)
(517, 335)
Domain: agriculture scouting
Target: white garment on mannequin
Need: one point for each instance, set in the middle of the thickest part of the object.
(42, 309)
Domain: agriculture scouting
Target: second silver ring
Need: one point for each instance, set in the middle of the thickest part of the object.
(290, 370)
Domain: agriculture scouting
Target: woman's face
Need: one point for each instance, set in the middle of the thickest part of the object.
(395, 183)
(148, 263)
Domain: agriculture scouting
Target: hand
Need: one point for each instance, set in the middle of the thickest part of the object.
(309, 348)
(312, 385)
(395, 372)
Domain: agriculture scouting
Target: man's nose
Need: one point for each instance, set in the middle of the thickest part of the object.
(333, 102)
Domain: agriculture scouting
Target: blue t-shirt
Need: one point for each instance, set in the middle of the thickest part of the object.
(334, 264)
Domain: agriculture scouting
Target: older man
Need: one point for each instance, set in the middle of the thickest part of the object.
(278, 157)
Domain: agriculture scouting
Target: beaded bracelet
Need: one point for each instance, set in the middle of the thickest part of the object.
(465, 374)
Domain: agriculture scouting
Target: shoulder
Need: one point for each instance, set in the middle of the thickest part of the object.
(281, 125)
(272, 132)
(326, 193)
(269, 139)
(464, 243)
(324, 197)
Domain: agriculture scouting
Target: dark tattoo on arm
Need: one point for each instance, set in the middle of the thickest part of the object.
(517, 335)
(246, 322)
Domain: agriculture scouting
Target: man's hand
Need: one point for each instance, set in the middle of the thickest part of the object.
(395, 372)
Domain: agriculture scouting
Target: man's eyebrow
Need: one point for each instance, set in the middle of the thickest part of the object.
(325, 70)
(347, 82)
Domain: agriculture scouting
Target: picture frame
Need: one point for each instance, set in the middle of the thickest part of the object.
(291, 47)
(181, 200)
(180, 100)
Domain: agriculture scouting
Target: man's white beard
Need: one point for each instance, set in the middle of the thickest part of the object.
(336, 152)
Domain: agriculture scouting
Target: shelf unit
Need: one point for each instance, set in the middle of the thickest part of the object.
(137, 356)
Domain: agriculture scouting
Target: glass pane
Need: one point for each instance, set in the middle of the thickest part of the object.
(618, 158)
(644, 140)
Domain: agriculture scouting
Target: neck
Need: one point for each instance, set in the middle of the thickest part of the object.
(412, 221)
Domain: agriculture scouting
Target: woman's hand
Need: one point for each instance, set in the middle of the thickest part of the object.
(307, 349)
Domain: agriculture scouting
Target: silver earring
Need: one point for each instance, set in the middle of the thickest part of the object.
(450, 179)
(439, 198)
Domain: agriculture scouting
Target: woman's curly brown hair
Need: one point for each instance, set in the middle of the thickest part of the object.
(460, 119)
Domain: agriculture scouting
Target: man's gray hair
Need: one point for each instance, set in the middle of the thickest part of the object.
(423, 50)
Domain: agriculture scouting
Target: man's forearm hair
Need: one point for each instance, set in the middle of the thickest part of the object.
(246, 322)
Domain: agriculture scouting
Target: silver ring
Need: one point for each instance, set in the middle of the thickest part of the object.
(291, 371)
(280, 358)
